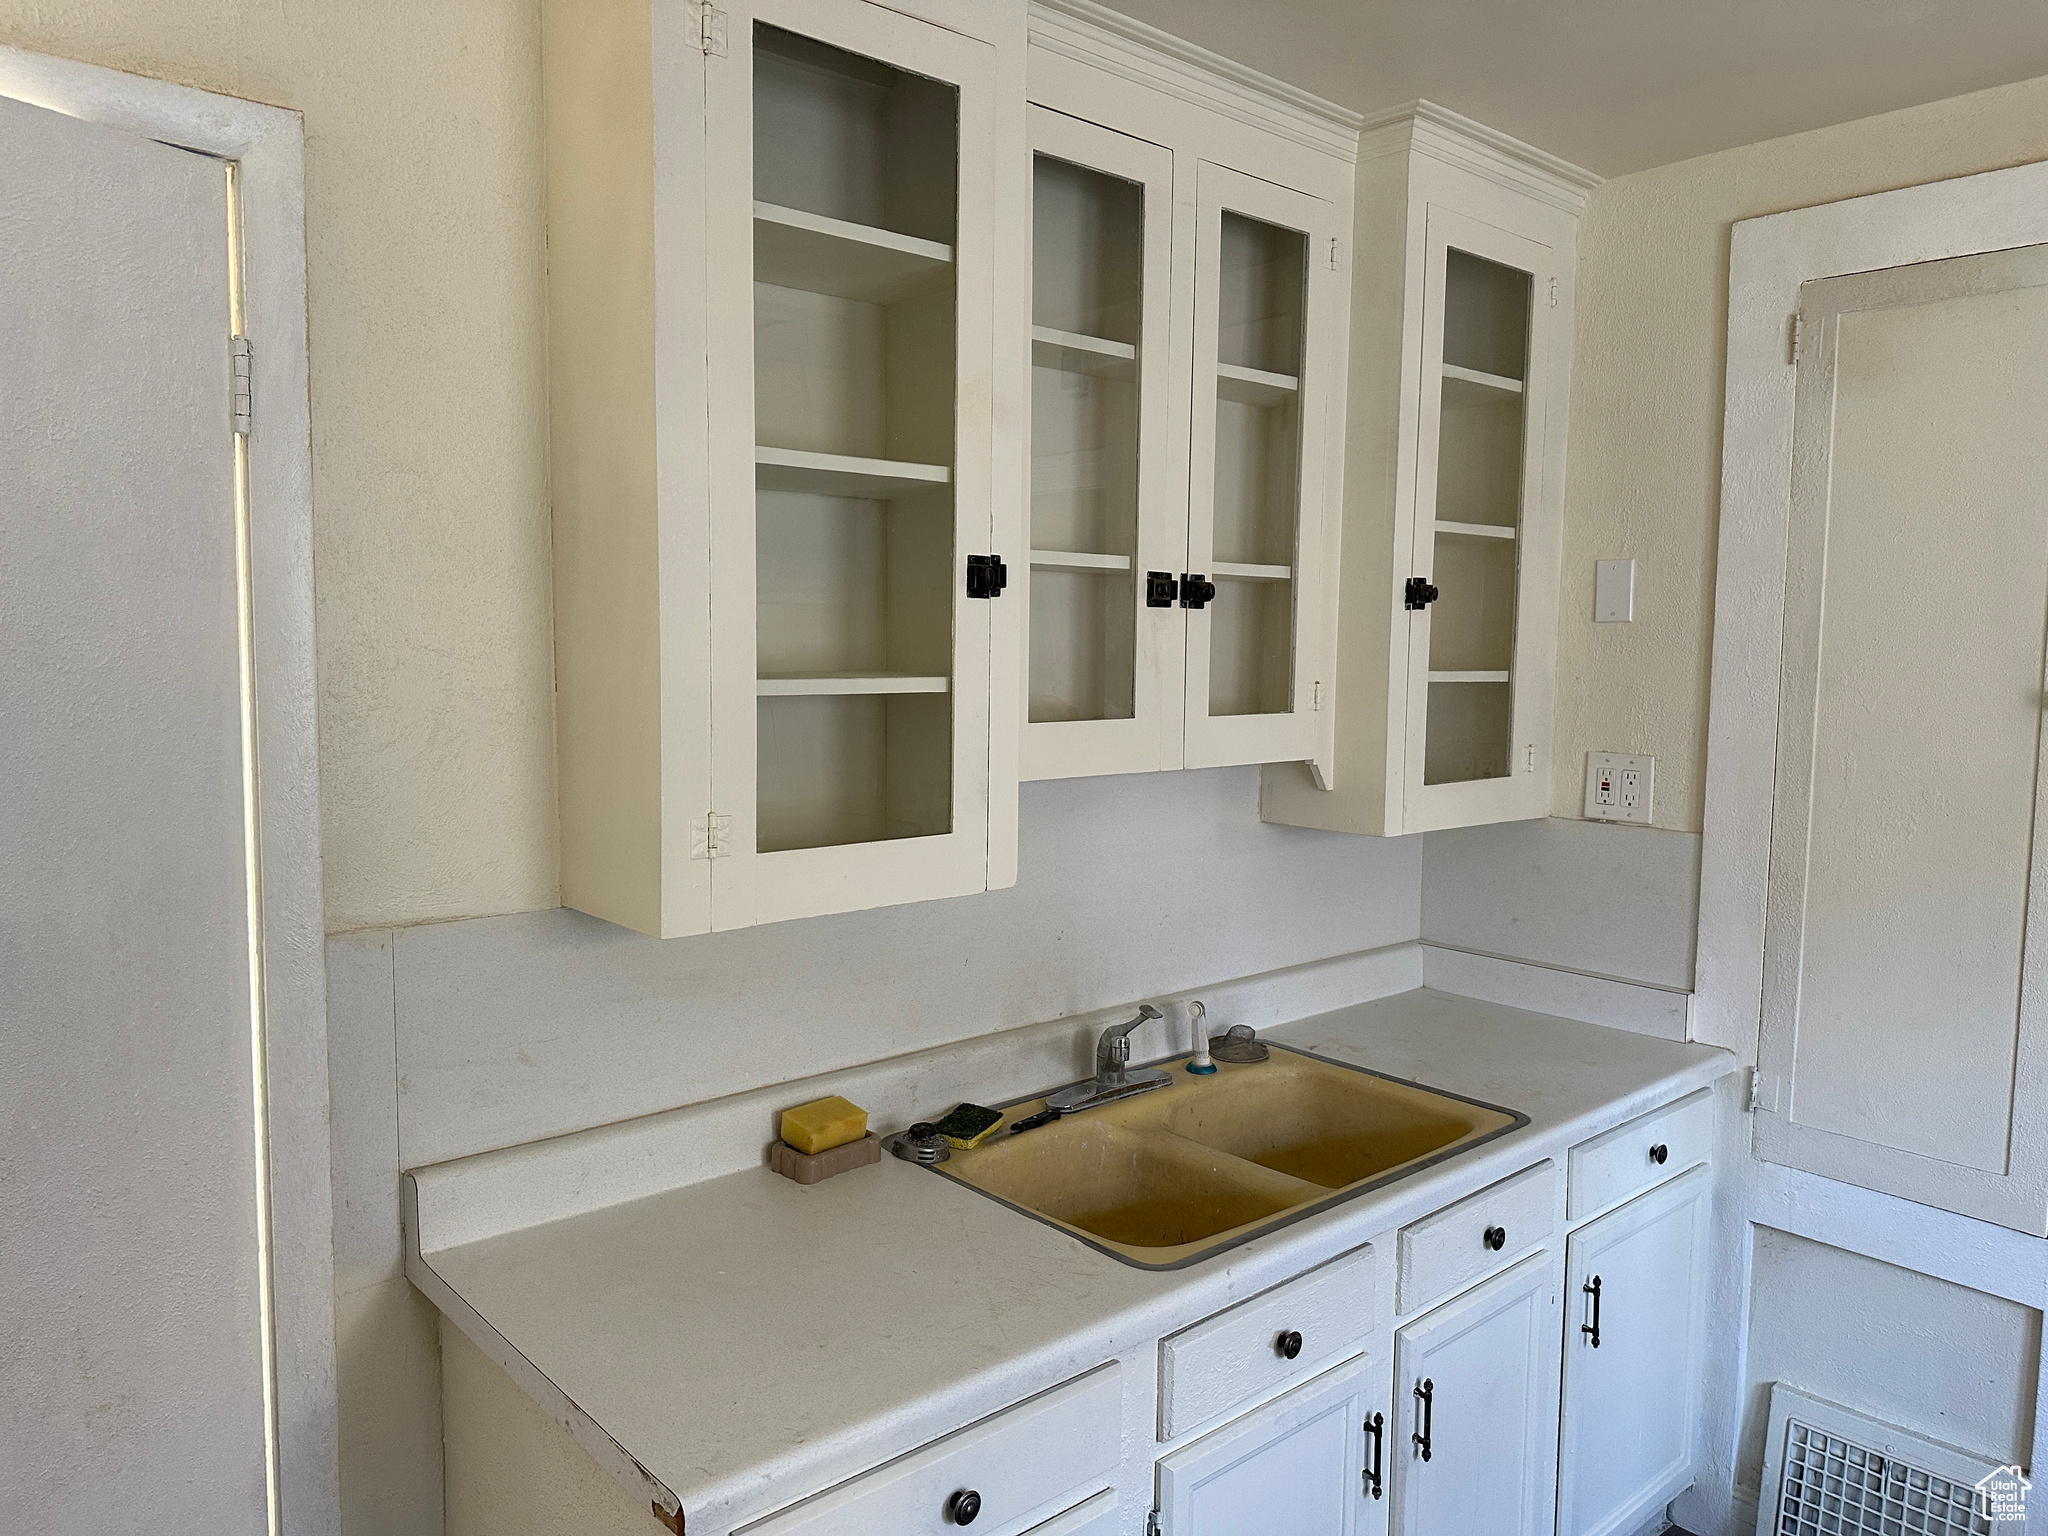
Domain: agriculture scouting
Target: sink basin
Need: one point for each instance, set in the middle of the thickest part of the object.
(1171, 1177)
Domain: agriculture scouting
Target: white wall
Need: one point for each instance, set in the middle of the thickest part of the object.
(1645, 452)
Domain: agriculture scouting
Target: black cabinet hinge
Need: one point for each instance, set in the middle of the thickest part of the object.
(1196, 591)
(1160, 589)
(986, 575)
(1419, 594)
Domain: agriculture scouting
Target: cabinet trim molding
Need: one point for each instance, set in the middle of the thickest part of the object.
(1097, 36)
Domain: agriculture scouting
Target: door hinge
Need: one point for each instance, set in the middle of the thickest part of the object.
(1152, 1523)
(986, 575)
(1553, 293)
(1336, 255)
(1798, 336)
(1763, 1092)
(710, 836)
(1316, 695)
(709, 23)
(241, 394)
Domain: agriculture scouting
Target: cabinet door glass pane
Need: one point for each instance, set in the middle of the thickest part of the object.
(855, 171)
(1476, 562)
(1261, 300)
(1087, 291)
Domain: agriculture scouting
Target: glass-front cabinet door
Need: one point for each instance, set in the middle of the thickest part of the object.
(851, 313)
(1266, 347)
(1103, 675)
(1478, 722)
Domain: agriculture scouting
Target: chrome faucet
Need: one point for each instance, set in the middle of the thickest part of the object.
(1113, 1076)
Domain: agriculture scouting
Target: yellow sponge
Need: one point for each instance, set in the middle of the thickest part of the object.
(823, 1124)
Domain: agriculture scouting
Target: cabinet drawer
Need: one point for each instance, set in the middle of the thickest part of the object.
(1097, 1517)
(1026, 1463)
(1236, 1355)
(1623, 1162)
(1450, 1250)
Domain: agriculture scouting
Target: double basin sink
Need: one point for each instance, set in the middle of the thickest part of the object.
(1166, 1178)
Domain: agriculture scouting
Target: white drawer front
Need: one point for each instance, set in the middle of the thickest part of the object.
(1097, 1517)
(1238, 1355)
(1624, 1161)
(1448, 1251)
(1025, 1463)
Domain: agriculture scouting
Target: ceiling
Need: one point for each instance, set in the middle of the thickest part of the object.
(1620, 85)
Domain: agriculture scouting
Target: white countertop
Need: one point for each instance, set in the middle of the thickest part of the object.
(749, 1341)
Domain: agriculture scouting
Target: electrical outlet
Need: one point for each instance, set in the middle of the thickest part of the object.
(1619, 788)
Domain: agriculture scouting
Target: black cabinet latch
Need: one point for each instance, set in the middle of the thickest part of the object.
(1196, 591)
(1160, 589)
(986, 575)
(1420, 594)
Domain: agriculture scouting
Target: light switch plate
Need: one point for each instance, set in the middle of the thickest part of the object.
(1614, 591)
(1619, 788)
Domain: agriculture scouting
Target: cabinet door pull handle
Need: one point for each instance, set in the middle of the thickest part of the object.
(1425, 1394)
(1592, 1329)
(1288, 1345)
(1659, 1153)
(1376, 1427)
(1495, 1238)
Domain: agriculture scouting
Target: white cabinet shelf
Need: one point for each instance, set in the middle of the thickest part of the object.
(1075, 560)
(1474, 530)
(794, 249)
(1472, 386)
(1237, 571)
(840, 474)
(820, 685)
(1073, 352)
(1472, 677)
(1255, 386)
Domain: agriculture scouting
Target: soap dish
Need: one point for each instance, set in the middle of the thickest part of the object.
(810, 1167)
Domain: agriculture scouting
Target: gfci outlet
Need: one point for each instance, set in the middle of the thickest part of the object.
(1619, 788)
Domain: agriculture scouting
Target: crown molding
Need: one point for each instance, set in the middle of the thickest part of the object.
(1423, 127)
(1096, 35)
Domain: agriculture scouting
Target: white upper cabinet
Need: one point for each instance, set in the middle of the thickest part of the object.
(784, 267)
(1453, 507)
(1189, 318)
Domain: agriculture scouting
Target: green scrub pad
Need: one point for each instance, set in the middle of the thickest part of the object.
(969, 1126)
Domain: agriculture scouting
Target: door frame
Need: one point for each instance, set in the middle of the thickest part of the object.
(267, 146)
(1769, 259)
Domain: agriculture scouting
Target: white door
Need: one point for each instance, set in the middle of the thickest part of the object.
(132, 1321)
(1481, 649)
(1903, 1045)
(1267, 350)
(1109, 528)
(1296, 1467)
(853, 305)
(1474, 1442)
(1631, 1359)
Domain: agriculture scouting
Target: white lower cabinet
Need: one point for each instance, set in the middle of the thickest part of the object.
(1632, 1355)
(1474, 1428)
(1296, 1467)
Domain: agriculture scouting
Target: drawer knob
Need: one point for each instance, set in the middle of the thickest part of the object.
(1288, 1345)
(1495, 1238)
(1659, 1153)
(963, 1507)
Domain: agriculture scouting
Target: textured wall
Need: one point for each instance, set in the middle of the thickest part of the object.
(425, 267)
(1644, 477)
